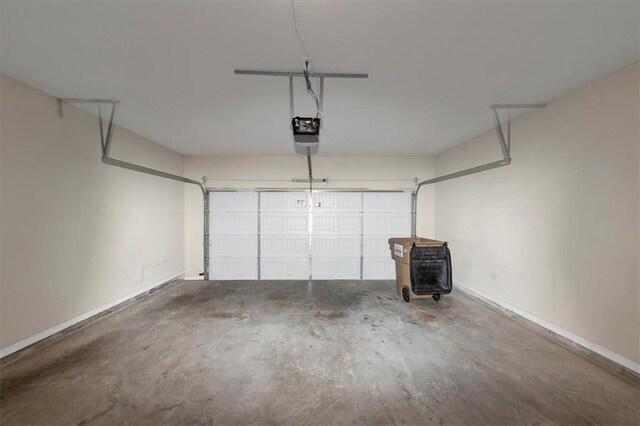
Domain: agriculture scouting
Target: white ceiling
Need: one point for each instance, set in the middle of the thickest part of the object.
(434, 67)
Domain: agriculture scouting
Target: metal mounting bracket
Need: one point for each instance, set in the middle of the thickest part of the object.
(505, 142)
(105, 140)
(105, 144)
(320, 99)
(291, 74)
(505, 146)
(299, 74)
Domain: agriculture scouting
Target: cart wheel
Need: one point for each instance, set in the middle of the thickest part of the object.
(406, 296)
(436, 297)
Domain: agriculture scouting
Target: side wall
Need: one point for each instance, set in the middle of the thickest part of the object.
(277, 172)
(556, 233)
(77, 234)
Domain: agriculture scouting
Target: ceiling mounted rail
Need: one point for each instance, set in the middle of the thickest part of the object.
(105, 143)
(505, 146)
(310, 169)
(300, 74)
(310, 180)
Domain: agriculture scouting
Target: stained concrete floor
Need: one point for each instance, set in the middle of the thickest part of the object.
(337, 352)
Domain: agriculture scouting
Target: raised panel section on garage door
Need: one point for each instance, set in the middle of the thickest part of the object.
(284, 201)
(284, 257)
(233, 230)
(234, 246)
(336, 268)
(332, 245)
(233, 223)
(233, 269)
(284, 268)
(343, 223)
(394, 202)
(385, 215)
(377, 262)
(336, 235)
(284, 235)
(337, 202)
(234, 202)
(284, 223)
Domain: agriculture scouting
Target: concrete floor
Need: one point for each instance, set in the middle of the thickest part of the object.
(324, 352)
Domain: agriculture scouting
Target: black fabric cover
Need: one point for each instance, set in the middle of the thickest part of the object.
(430, 270)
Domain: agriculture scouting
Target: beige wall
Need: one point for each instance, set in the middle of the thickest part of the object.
(277, 172)
(77, 234)
(556, 233)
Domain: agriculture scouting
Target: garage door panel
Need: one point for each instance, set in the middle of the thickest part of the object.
(284, 268)
(284, 246)
(336, 246)
(376, 245)
(379, 268)
(284, 201)
(233, 223)
(284, 223)
(233, 269)
(343, 268)
(395, 224)
(385, 215)
(386, 202)
(337, 202)
(234, 246)
(233, 202)
(337, 223)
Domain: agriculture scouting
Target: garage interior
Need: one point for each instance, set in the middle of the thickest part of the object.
(197, 198)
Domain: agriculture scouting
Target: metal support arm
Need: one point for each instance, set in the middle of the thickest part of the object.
(300, 74)
(142, 169)
(505, 146)
(105, 144)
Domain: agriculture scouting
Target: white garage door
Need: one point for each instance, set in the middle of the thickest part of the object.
(336, 235)
(385, 215)
(284, 235)
(297, 235)
(233, 230)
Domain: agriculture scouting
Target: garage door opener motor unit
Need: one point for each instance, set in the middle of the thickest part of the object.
(306, 131)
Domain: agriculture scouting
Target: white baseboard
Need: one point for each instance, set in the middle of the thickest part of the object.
(194, 278)
(58, 328)
(581, 341)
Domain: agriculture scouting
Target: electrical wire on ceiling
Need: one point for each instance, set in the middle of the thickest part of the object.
(310, 89)
(295, 26)
(307, 63)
